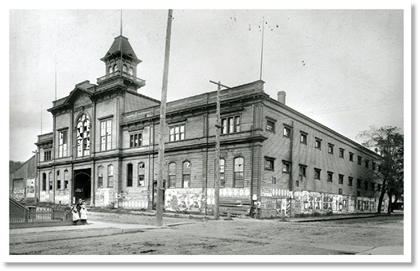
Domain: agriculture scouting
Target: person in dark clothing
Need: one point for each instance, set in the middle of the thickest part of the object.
(79, 206)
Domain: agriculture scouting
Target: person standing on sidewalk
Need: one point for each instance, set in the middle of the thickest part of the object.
(75, 214)
(83, 214)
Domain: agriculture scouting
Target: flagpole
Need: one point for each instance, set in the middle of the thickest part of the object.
(262, 49)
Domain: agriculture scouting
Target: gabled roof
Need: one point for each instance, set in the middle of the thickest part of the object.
(83, 87)
(119, 45)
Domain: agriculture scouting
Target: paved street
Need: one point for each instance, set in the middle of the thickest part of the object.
(128, 234)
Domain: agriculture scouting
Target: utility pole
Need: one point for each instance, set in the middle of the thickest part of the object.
(217, 152)
(160, 188)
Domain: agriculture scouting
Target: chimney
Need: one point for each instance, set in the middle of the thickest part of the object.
(281, 97)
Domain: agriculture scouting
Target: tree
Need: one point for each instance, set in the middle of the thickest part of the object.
(14, 165)
(388, 143)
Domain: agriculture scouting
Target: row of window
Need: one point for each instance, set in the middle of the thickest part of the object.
(238, 174)
(287, 132)
(317, 176)
(176, 133)
(59, 182)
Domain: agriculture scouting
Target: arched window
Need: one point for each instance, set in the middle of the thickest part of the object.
(186, 174)
(115, 68)
(131, 71)
(124, 68)
(83, 135)
(58, 186)
(110, 69)
(110, 175)
(100, 176)
(50, 181)
(129, 175)
(141, 171)
(238, 177)
(172, 175)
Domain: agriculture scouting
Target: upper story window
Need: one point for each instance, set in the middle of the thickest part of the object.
(106, 135)
(231, 125)
(373, 166)
(359, 183)
(351, 156)
(350, 181)
(83, 135)
(318, 143)
(271, 126)
(302, 171)
(287, 131)
(136, 140)
(131, 71)
(286, 167)
(359, 160)
(330, 148)
(341, 153)
(330, 176)
(47, 155)
(303, 137)
(367, 163)
(62, 143)
(177, 132)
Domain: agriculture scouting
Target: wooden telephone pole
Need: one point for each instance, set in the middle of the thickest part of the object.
(160, 188)
(217, 152)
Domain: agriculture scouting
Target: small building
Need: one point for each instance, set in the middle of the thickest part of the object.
(104, 146)
(22, 181)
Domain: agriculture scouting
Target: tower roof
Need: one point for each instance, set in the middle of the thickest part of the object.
(119, 45)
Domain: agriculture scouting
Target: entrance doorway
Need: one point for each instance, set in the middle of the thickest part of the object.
(82, 184)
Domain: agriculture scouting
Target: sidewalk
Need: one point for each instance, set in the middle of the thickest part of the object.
(92, 229)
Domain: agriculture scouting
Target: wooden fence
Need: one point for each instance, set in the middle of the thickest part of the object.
(38, 214)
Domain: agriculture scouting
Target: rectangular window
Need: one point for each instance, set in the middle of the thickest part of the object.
(340, 179)
(317, 174)
(47, 155)
(302, 171)
(287, 131)
(340, 191)
(105, 135)
(172, 175)
(359, 183)
(373, 166)
(62, 144)
(318, 143)
(286, 167)
(351, 156)
(350, 181)
(238, 178)
(100, 177)
(330, 148)
(177, 133)
(136, 140)
(330, 177)
(269, 163)
(66, 184)
(341, 153)
(359, 160)
(231, 125)
(58, 184)
(367, 164)
(271, 125)
(303, 138)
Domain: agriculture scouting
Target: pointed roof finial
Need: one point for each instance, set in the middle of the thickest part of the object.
(121, 23)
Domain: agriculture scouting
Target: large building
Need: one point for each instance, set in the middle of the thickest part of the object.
(104, 146)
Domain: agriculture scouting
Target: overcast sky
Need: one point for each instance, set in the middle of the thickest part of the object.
(343, 68)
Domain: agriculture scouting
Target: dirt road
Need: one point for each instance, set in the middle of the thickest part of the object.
(234, 237)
